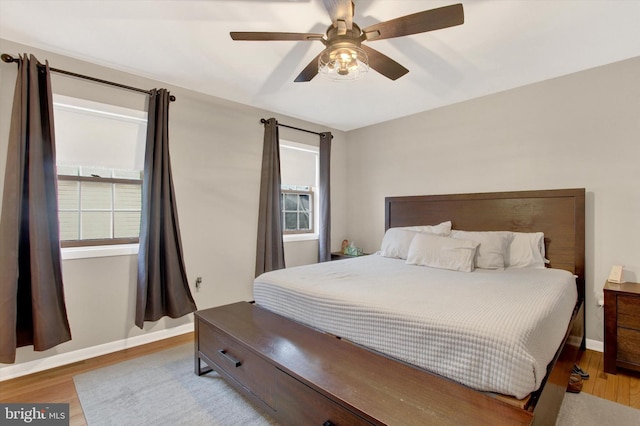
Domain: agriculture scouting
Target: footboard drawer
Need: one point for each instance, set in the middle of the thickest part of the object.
(299, 404)
(238, 361)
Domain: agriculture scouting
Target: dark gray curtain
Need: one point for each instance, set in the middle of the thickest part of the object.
(324, 239)
(270, 247)
(163, 288)
(32, 307)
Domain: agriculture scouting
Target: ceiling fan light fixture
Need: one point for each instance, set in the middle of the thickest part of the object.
(343, 62)
(343, 57)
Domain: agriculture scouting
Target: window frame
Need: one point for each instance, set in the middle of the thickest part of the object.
(84, 248)
(307, 236)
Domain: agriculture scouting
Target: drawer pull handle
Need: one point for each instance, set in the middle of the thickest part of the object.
(328, 423)
(229, 358)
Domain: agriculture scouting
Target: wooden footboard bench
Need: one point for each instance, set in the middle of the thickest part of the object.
(302, 376)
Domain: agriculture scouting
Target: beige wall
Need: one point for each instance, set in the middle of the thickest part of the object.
(577, 131)
(216, 149)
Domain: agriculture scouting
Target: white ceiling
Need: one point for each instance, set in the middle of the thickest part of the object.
(502, 44)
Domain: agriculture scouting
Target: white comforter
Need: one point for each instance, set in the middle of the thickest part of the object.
(494, 331)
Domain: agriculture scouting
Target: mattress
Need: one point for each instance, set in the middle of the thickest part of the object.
(491, 330)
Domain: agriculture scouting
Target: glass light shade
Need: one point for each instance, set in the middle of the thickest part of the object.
(340, 62)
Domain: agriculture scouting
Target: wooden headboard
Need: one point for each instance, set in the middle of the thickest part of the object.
(558, 213)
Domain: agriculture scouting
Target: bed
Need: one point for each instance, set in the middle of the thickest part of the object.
(389, 306)
(344, 299)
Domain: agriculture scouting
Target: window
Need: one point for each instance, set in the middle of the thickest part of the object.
(297, 210)
(97, 204)
(100, 157)
(299, 175)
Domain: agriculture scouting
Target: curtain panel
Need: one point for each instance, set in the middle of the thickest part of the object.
(324, 237)
(163, 288)
(32, 305)
(270, 246)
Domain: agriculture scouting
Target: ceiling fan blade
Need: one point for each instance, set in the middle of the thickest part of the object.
(309, 72)
(384, 64)
(267, 36)
(340, 10)
(428, 20)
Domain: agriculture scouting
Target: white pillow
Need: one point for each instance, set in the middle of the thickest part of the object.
(493, 249)
(396, 242)
(442, 252)
(443, 228)
(526, 250)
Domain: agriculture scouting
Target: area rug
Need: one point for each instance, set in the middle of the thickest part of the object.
(582, 409)
(162, 389)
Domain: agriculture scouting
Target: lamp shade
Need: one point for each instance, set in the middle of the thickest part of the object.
(343, 61)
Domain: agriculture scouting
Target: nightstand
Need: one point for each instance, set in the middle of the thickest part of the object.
(621, 326)
(337, 255)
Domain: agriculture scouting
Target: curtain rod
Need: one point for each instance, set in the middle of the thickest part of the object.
(9, 59)
(262, 120)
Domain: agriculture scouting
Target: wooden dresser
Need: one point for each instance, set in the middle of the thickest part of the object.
(302, 376)
(621, 326)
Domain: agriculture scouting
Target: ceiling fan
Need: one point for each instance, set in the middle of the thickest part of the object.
(344, 56)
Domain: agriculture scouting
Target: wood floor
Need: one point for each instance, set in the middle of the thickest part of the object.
(623, 388)
(56, 385)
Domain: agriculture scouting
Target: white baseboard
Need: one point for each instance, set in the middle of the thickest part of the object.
(595, 345)
(37, 365)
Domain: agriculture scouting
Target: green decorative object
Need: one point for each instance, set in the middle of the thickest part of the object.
(352, 250)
